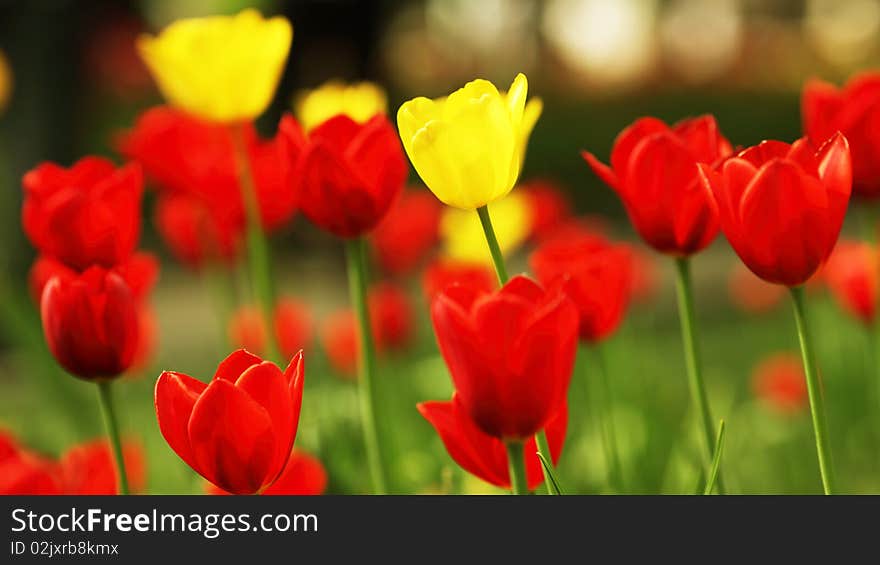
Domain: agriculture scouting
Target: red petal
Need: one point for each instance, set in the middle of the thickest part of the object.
(232, 439)
(174, 398)
(235, 364)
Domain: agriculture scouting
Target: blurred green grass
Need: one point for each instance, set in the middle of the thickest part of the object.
(765, 452)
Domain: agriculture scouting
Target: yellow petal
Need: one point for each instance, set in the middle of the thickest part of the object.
(468, 147)
(360, 102)
(220, 68)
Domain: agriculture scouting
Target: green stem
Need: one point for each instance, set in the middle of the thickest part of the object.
(494, 248)
(259, 259)
(516, 465)
(544, 452)
(689, 331)
(357, 281)
(814, 389)
(607, 415)
(107, 409)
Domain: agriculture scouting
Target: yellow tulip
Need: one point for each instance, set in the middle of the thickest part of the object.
(360, 102)
(5, 81)
(220, 68)
(469, 147)
(462, 234)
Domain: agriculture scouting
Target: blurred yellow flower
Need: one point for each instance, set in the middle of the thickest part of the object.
(462, 234)
(5, 81)
(359, 101)
(220, 68)
(469, 147)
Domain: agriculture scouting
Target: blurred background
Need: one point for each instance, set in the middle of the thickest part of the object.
(75, 81)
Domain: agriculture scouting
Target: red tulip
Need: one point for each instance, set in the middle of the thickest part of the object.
(140, 272)
(391, 316)
(483, 455)
(348, 173)
(196, 232)
(653, 170)
(596, 275)
(23, 472)
(853, 110)
(90, 323)
(781, 206)
(237, 431)
(87, 214)
(510, 353)
(779, 381)
(408, 232)
(184, 154)
(89, 468)
(339, 339)
(304, 475)
(645, 277)
(292, 326)
(549, 205)
(750, 293)
(442, 274)
(853, 275)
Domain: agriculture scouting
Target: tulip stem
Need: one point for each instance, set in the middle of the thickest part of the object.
(258, 252)
(494, 249)
(105, 398)
(516, 465)
(606, 412)
(689, 331)
(814, 389)
(357, 281)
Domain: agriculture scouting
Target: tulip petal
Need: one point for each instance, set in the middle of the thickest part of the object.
(628, 139)
(235, 364)
(265, 384)
(174, 398)
(820, 102)
(603, 171)
(759, 154)
(476, 452)
(232, 439)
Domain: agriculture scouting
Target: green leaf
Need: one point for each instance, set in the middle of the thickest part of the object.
(716, 459)
(552, 482)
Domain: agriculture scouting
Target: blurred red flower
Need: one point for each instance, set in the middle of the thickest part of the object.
(83, 215)
(853, 110)
(195, 232)
(292, 325)
(548, 204)
(442, 274)
(408, 232)
(510, 353)
(303, 475)
(339, 339)
(483, 455)
(853, 275)
(392, 321)
(782, 206)
(779, 381)
(751, 293)
(90, 323)
(237, 431)
(391, 316)
(89, 468)
(595, 274)
(653, 170)
(201, 211)
(348, 174)
(23, 472)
